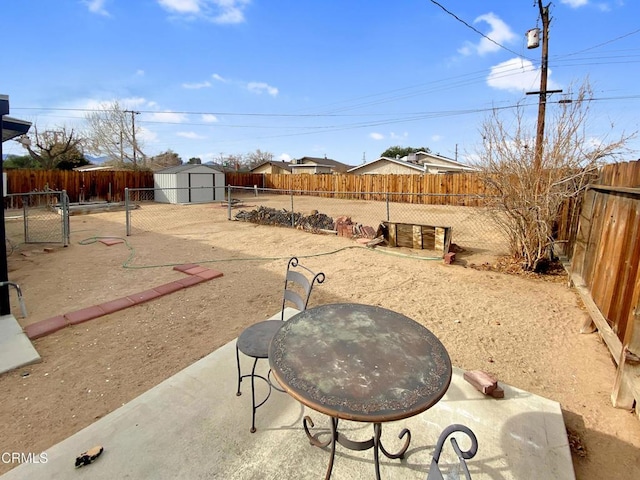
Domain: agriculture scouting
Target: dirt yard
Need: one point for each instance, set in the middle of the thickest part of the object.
(524, 330)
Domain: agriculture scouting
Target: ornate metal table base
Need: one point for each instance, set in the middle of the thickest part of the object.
(374, 442)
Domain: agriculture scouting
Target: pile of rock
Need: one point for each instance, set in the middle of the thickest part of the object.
(314, 222)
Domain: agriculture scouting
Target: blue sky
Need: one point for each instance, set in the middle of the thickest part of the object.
(346, 79)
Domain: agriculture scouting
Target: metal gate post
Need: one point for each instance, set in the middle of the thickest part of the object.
(25, 216)
(293, 223)
(66, 229)
(388, 214)
(127, 214)
(229, 202)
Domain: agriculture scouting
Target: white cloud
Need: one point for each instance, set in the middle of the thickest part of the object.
(261, 87)
(517, 75)
(217, 77)
(216, 11)
(181, 6)
(145, 134)
(285, 157)
(97, 6)
(134, 102)
(191, 135)
(575, 3)
(376, 136)
(166, 117)
(209, 118)
(399, 136)
(196, 86)
(500, 33)
(140, 73)
(436, 138)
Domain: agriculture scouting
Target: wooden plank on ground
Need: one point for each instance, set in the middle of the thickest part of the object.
(417, 237)
(607, 334)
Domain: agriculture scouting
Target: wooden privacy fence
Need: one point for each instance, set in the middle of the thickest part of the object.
(424, 189)
(80, 186)
(605, 270)
(110, 185)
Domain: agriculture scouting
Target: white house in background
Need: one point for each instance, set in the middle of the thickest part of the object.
(317, 165)
(416, 164)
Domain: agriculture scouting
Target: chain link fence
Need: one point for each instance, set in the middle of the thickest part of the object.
(36, 217)
(471, 226)
(159, 209)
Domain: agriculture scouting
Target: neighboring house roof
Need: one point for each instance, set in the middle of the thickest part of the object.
(326, 162)
(423, 164)
(188, 166)
(402, 163)
(95, 168)
(431, 159)
(283, 165)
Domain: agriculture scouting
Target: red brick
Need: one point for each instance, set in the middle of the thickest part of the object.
(84, 315)
(449, 258)
(145, 296)
(191, 280)
(498, 392)
(45, 327)
(115, 305)
(195, 270)
(111, 241)
(369, 232)
(168, 288)
(210, 274)
(482, 381)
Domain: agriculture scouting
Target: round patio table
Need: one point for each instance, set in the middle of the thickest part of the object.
(361, 363)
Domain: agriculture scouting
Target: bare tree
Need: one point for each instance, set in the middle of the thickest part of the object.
(112, 132)
(164, 160)
(51, 147)
(258, 157)
(529, 195)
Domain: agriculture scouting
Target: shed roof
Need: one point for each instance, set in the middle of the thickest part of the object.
(188, 166)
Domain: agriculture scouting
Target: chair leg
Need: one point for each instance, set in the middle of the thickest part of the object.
(253, 397)
(238, 392)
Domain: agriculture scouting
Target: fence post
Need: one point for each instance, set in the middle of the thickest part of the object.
(126, 209)
(293, 222)
(388, 211)
(66, 229)
(25, 216)
(229, 202)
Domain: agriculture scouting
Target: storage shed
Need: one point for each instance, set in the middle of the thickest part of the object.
(189, 184)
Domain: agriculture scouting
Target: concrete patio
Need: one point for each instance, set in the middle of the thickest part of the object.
(194, 426)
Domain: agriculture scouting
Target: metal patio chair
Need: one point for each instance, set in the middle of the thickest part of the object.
(434, 470)
(254, 341)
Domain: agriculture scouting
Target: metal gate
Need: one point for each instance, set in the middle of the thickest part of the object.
(37, 217)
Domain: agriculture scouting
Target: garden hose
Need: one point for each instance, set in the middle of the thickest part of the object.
(128, 262)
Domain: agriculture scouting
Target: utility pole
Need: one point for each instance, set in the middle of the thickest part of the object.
(542, 105)
(133, 135)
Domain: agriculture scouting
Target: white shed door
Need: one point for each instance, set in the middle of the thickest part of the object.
(198, 194)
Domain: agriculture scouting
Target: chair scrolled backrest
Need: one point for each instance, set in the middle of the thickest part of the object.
(298, 284)
(463, 455)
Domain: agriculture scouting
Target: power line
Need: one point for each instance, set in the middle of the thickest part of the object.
(478, 31)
